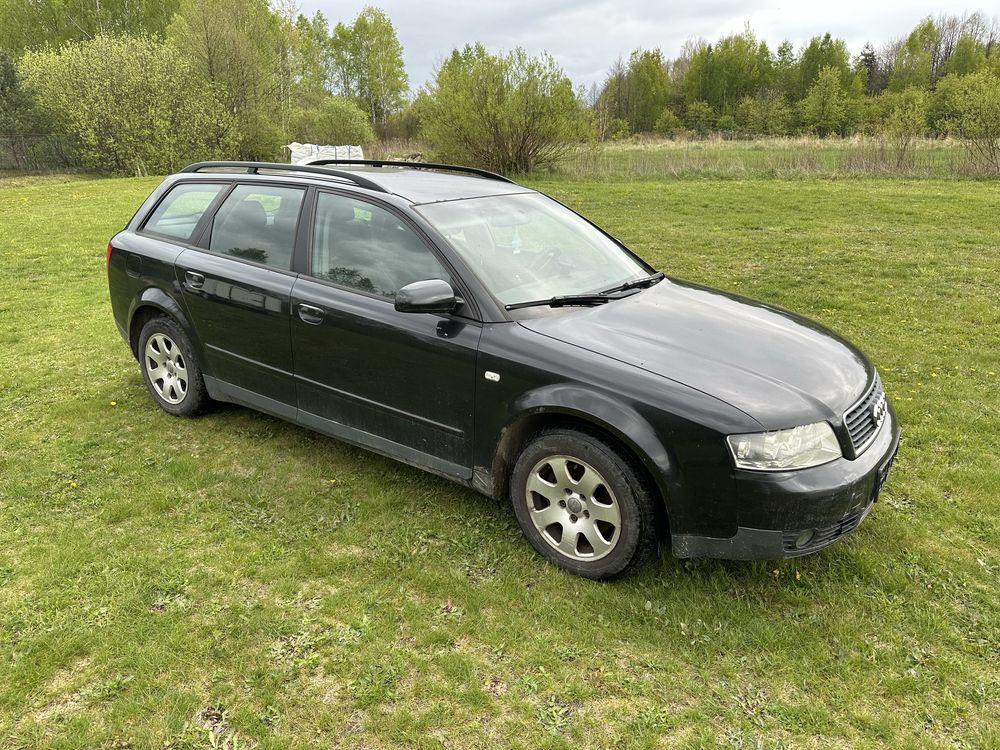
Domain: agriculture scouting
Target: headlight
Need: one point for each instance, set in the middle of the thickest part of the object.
(781, 450)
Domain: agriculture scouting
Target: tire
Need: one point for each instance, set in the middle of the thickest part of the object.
(170, 369)
(584, 505)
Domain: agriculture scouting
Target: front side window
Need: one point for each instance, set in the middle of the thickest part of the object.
(179, 212)
(528, 247)
(364, 247)
(257, 222)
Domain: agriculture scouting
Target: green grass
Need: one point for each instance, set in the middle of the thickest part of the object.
(241, 581)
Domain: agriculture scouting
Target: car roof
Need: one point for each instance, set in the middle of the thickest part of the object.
(424, 186)
(414, 184)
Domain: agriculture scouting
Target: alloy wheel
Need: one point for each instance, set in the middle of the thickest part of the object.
(573, 508)
(166, 368)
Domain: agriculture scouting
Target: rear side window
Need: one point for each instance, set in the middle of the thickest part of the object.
(359, 245)
(179, 212)
(257, 222)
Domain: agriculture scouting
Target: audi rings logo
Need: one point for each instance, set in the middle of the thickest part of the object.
(879, 409)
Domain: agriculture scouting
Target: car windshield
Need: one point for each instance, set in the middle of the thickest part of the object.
(528, 247)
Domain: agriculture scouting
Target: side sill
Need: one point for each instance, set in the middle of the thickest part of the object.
(386, 447)
(223, 391)
(482, 481)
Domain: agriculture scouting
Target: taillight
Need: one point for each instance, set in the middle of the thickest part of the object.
(107, 260)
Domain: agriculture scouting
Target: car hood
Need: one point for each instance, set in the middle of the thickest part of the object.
(779, 368)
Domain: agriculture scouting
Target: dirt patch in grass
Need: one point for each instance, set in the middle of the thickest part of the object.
(65, 692)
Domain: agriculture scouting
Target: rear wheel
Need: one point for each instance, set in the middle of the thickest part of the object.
(170, 369)
(583, 505)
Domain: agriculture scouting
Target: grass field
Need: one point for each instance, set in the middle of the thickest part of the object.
(235, 581)
(801, 157)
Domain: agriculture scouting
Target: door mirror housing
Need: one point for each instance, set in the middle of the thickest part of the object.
(430, 296)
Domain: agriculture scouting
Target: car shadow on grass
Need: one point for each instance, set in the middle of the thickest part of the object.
(469, 520)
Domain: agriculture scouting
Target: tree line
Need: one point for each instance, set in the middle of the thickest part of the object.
(143, 86)
(738, 85)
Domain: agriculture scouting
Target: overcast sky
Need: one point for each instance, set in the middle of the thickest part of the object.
(585, 36)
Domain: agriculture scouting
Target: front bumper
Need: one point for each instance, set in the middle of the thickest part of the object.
(794, 513)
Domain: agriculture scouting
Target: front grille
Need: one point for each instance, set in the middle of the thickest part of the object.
(865, 417)
(825, 536)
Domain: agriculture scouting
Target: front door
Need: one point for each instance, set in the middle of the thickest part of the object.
(402, 383)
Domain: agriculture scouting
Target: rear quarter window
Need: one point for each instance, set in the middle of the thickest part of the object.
(178, 214)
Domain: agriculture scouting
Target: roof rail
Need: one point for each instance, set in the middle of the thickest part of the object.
(254, 167)
(414, 165)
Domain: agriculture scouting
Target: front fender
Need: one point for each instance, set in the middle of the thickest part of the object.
(605, 412)
(575, 403)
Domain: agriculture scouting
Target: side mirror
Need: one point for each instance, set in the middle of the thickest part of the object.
(430, 296)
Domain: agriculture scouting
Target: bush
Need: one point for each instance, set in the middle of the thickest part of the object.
(618, 129)
(905, 120)
(333, 121)
(408, 123)
(18, 113)
(942, 109)
(973, 102)
(668, 123)
(765, 114)
(871, 115)
(700, 117)
(132, 104)
(824, 110)
(726, 125)
(510, 113)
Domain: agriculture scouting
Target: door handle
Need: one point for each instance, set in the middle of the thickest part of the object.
(194, 280)
(310, 314)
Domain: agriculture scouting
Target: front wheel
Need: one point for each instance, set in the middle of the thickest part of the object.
(170, 369)
(583, 505)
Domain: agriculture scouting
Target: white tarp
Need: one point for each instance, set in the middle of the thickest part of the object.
(303, 153)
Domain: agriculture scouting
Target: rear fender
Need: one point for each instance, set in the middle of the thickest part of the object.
(154, 298)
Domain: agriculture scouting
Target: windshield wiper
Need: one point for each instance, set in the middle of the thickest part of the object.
(587, 300)
(636, 283)
(565, 300)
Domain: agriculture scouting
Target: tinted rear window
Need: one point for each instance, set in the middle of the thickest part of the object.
(179, 212)
(258, 222)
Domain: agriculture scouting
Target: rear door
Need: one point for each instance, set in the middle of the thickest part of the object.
(146, 258)
(237, 292)
(402, 383)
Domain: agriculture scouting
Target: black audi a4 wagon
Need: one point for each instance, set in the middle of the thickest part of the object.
(459, 322)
